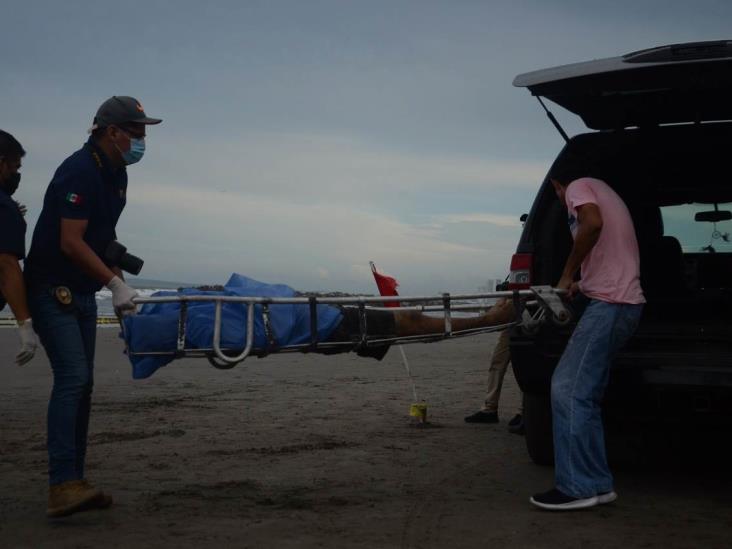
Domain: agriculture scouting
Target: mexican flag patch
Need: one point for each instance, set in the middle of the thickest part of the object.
(73, 198)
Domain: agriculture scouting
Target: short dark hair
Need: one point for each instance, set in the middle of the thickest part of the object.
(97, 133)
(570, 166)
(9, 146)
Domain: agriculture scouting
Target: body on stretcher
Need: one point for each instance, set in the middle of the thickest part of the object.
(253, 318)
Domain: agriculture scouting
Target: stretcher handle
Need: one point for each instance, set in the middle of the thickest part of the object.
(355, 300)
(232, 360)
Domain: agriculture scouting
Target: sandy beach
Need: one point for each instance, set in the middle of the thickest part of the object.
(312, 451)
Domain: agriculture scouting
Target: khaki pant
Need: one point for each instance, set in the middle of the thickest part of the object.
(497, 370)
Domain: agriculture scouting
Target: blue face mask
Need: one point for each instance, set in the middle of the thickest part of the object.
(136, 152)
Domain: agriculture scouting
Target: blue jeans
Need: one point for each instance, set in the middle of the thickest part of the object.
(578, 386)
(69, 335)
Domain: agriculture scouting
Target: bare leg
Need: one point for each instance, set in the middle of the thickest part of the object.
(411, 323)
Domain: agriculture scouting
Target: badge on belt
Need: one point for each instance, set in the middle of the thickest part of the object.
(63, 295)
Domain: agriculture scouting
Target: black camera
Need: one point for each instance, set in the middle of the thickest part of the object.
(117, 256)
(502, 286)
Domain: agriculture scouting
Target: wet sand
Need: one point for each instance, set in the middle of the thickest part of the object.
(312, 451)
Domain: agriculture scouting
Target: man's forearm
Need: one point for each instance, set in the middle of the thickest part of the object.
(84, 257)
(12, 287)
(585, 240)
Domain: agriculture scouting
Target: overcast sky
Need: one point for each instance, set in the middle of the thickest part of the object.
(302, 139)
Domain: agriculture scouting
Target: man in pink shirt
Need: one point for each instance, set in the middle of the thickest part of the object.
(605, 250)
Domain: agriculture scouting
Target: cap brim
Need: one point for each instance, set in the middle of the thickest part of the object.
(147, 120)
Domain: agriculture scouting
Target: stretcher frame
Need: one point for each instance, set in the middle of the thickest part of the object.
(532, 306)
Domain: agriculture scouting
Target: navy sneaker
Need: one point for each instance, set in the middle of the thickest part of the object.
(482, 416)
(555, 500)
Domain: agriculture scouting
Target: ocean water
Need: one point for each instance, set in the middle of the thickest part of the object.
(104, 299)
(104, 302)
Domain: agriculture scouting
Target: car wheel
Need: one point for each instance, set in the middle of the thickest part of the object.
(538, 425)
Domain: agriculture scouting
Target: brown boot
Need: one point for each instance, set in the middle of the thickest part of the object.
(69, 497)
(104, 501)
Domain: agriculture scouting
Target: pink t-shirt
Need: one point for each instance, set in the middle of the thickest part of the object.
(611, 271)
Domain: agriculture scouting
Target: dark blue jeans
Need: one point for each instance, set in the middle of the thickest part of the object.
(69, 335)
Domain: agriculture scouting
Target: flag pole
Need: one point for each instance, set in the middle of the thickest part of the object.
(401, 348)
(409, 373)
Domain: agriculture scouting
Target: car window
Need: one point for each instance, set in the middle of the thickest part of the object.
(697, 236)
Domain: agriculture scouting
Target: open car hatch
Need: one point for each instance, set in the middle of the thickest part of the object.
(672, 84)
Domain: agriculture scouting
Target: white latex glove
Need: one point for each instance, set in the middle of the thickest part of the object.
(28, 342)
(122, 296)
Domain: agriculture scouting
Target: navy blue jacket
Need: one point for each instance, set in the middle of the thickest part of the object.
(12, 227)
(85, 186)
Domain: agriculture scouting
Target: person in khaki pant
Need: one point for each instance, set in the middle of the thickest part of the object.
(496, 372)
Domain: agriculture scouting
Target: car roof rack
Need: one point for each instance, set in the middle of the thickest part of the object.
(691, 51)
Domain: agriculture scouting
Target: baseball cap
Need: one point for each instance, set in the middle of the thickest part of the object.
(121, 109)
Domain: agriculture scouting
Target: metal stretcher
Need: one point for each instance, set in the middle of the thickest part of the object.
(534, 306)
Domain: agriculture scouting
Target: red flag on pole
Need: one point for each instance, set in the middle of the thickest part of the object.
(387, 285)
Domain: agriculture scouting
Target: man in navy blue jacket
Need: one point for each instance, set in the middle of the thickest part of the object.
(66, 266)
(12, 246)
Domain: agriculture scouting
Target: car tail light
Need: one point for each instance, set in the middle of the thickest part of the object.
(520, 276)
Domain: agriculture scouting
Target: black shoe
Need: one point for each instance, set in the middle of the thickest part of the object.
(554, 500)
(516, 425)
(482, 417)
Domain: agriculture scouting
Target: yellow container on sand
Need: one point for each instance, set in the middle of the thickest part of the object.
(419, 411)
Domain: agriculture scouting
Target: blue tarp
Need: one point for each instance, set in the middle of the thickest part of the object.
(155, 327)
